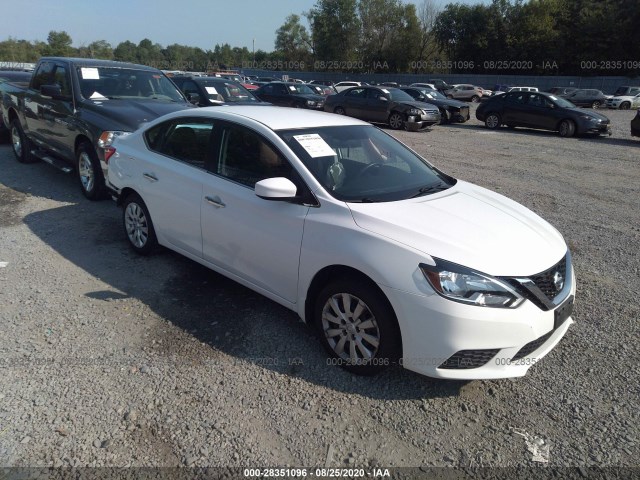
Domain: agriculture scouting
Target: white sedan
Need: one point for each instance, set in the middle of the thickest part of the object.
(389, 258)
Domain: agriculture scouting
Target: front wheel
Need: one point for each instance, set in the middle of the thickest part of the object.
(396, 121)
(357, 327)
(89, 172)
(493, 121)
(445, 116)
(19, 142)
(567, 128)
(625, 106)
(475, 99)
(138, 226)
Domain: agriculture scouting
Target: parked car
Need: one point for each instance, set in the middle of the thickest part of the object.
(440, 85)
(424, 85)
(340, 86)
(623, 98)
(289, 94)
(635, 125)
(390, 259)
(389, 84)
(208, 91)
(450, 110)
(586, 98)
(327, 83)
(390, 106)
(541, 110)
(465, 92)
(73, 108)
(560, 91)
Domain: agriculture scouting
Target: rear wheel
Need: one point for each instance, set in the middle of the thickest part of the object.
(567, 128)
(596, 104)
(493, 121)
(396, 121)
(19, 142)
(89, 172)
(138, 225)
(340, 111)
(357, 327)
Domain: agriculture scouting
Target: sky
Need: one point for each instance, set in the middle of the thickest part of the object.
(195, 23)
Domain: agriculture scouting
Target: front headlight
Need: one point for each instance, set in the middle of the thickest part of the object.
(108, 136)
(461, 284)
(589, 118)
(415, 111)
(311, 103)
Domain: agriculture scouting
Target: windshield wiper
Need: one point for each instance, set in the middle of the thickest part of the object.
(438, 187)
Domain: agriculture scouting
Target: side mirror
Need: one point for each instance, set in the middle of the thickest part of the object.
(53, 91)
(277, 188)
(383, 98)
(193, 98)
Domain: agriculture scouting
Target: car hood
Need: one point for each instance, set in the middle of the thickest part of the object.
(129, 114)
(441, 102)
(470, 226)
(309, 96)
(589, 113)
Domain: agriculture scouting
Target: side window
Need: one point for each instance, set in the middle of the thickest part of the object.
(184, 139)
(536, 100)
(42, 76)
(190, 86)
(280, 89)
(247, 158)
(357, 93)
(518, 98)
(268, 89)
(61, 78)
(374, 94)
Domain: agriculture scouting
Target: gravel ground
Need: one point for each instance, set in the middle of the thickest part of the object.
(110, 359)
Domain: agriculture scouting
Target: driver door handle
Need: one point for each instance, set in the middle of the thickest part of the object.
(215, 201)
(150, 176)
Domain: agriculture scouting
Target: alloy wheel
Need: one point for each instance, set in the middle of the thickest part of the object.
(85, 170)
(136, 225)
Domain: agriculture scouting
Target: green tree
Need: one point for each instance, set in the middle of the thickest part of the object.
(293, 40)
(59, 44)
(126, 52)
(335, 27)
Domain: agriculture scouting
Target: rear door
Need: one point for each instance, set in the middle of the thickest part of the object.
(34, 108)
(515, 109)
(355, 103)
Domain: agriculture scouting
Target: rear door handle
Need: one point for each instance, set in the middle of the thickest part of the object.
(215, 201)
(150, 176)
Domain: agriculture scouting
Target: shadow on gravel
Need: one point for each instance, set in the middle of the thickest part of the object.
(220, 313)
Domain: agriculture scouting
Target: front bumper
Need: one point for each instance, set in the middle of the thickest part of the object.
(598, 128)
(446, 339)
(416, 123)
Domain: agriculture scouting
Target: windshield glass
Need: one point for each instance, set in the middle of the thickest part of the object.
(301, 88)
(361, 163)
(621, 91)
(98, 83)
(227, 92)
(434, 94)
(398, 95)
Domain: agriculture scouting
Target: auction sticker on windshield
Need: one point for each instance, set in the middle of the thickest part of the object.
(211, 90)
(315, 145)
(90, 74)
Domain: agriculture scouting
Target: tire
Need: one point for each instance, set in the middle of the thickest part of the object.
(445, 116)
(361, 350)
(475, 99)
(492, 120)
(625, 106)
(89, 172)
(137, 225)
(339, 111)
(396, 121)
(450, 97)
(567, 128)
(20, 143)
(596, 104)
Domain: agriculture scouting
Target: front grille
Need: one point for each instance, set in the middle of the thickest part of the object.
(531, 346)
(545, 281)
(465, 359)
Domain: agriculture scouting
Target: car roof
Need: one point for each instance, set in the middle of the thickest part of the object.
(92, 62)
(275, 118)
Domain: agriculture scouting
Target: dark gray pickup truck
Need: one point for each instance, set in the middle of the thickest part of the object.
(73, 108)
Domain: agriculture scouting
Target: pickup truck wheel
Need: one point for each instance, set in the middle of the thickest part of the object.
(89, 172)
(138, 225)
(21, 145)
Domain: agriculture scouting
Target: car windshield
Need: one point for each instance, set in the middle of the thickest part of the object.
(398, 95)
(228, 92)
(434, 94)
(98, 83)
(361, 163)
(300, 88)
(621, 91)
(561, 102)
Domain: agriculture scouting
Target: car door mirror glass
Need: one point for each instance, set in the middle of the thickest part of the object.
(278, 188)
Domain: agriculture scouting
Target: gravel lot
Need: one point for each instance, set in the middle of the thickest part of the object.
(110, 359)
